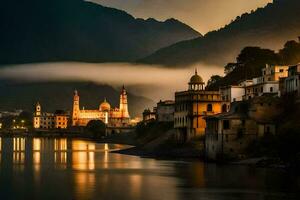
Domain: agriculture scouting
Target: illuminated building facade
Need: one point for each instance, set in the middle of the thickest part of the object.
(192, 106)
(113, 117)
(268, 83)
(44, 120)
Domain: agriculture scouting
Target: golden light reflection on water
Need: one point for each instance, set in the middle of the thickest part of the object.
(198, 175)
(84, 170)
(19, 151)
(79, 154)
(135, 183)
(83, 156)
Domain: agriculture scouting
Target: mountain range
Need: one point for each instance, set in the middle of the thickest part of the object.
(58, 95)
(267, 27)
(77, 30)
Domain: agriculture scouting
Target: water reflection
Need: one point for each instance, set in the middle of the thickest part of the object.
(78, 154)
(63, 168)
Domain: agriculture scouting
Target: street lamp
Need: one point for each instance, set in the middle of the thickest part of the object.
(22, 121)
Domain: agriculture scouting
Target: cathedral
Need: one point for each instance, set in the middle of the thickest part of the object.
(113, 117)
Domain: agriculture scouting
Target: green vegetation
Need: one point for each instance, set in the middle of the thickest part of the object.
(267, 27)
(214, 79)
(97, 128)
(24, 120)
(251, 60)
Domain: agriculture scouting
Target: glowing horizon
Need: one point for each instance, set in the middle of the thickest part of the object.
(202, 15)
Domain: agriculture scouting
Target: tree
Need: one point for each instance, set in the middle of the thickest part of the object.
(213, 79)
(229, 68)
(25, 119)
(253, 59)
(97, 128)
(290, 54)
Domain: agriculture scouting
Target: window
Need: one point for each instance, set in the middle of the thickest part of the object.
(271, 89)
(227, 138)
(243, 122)
(226, 124)
(261, 89)
(268, 130)
(281, 70)
(224, 108)
(209, 108)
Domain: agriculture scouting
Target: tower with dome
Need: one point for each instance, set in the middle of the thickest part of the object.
(192, 106)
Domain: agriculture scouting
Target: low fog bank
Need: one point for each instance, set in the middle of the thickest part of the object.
(154, 82)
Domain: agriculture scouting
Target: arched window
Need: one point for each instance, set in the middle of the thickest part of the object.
(209, 108)
(224, 108)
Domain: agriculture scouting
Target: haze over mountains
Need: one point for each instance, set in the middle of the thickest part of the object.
(59, 95)
(268, 27)
(75, 30)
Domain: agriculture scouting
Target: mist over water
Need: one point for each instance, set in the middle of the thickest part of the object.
(154, 82)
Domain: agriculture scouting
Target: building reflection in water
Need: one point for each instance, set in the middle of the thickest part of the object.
(19, 153)
(83, 155)
(60, 153)
(88, 165)
(36, 151)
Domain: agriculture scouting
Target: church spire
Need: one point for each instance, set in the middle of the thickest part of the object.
(123, 103)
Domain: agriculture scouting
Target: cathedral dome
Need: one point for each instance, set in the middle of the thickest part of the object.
(105, 106)
(196, 79)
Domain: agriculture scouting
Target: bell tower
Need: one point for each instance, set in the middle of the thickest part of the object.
(37, 116)
(76, 109)
(124, 104)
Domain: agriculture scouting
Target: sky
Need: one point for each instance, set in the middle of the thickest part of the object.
(202, 15)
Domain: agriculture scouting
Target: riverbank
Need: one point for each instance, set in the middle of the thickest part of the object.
(161, 147)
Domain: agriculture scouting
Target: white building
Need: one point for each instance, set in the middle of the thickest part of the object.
(268, 83)
(291, 83)
(232, 93)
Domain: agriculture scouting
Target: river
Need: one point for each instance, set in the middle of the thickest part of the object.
(73, 169)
